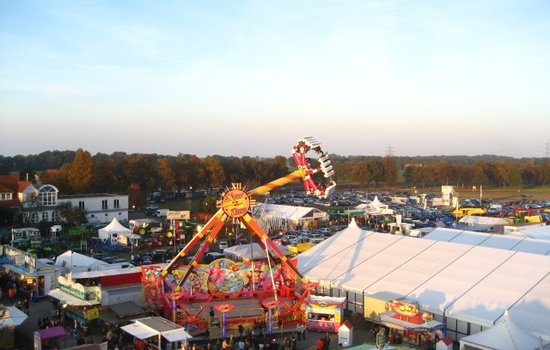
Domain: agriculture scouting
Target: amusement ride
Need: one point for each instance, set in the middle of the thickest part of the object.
(228, 293)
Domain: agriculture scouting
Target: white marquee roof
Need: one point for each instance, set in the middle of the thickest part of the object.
(509, 242)
(537, 232)
(472, 283)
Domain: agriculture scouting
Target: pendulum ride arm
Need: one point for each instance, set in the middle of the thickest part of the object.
(202, 250)
(261, 190)
(252, 226)
(217, 220)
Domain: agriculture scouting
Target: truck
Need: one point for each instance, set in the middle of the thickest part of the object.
(461, 212)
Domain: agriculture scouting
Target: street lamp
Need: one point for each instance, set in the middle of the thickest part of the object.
(270, 305)
(71, 266)
(224, 308)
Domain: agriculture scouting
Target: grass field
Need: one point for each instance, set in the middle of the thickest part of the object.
(499, 194)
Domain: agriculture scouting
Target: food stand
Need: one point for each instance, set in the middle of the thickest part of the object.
(324, 314)
(48, 338)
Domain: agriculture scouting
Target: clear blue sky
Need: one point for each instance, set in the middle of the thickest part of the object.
(251, 77)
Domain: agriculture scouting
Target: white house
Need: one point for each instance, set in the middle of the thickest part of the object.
(98, 208)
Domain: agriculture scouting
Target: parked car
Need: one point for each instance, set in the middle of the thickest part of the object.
(108, 259)
(146, 259)
(99, 256)
(316, 238)
(211, 256)
(291, 239)
(159, 255)
(325, 231)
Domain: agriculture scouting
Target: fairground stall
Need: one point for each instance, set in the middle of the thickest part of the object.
(405, 321)
(226, 293)
(10, 318)
(77, 302)
(324, 314)
(36, 277)
(156, 333)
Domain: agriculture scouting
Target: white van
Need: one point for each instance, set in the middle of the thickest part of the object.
(56, 230)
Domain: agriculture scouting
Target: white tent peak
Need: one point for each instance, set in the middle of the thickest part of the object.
(353, 224)
(115, 226)
(377, 202)
(112, 231)
(504, 335)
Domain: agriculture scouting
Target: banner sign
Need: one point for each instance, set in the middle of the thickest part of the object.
(178, 215)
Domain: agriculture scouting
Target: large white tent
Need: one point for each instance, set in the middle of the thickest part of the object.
(463, 283)
(111, 232)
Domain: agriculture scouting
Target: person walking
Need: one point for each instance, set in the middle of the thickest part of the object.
(320, 344)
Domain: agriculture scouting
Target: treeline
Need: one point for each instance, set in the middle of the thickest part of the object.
(80, 172)
(116, 173)
(435, 171)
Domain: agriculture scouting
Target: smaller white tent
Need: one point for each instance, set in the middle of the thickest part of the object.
(504, 335)
(75, 262)
(375, 207)
(111, 232)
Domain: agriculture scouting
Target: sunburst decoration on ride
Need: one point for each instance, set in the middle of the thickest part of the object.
(236, 202)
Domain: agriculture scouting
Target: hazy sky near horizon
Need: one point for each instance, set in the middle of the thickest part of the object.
(248, 78)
